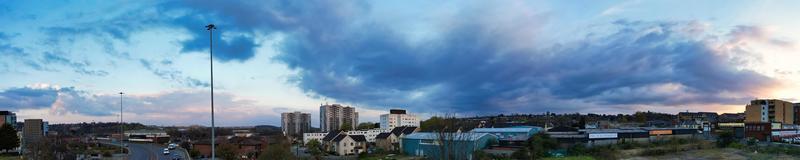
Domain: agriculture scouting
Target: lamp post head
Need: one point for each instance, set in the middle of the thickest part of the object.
(210, 27)
(121, 93)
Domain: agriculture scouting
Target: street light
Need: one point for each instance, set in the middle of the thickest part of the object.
(121, 126)
(210, 28)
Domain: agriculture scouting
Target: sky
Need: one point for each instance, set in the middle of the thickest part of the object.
(68, 61)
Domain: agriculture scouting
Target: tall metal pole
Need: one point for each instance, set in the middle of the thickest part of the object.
(121, 126)
(210, 28)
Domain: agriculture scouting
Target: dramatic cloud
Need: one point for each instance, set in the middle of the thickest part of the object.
(28, 97)
(175, 107)
(469, 57)
(60, 100)
(473, 65)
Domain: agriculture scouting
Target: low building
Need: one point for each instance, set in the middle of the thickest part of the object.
(460, 145)
(242, 133)
(142, 135)
(566, 135)
(246, 147)
(659, 134)
(599, 137)
(369, 134)
(387, 142)
(758, 131)
(731, 118)
(390, 141)
(736, 128)
(510, 136)
(308, 137)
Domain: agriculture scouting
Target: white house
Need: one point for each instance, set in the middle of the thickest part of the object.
(349, 144)
(307, 137)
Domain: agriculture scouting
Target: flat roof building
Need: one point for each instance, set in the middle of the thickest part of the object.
(398, 118)
(770, 111)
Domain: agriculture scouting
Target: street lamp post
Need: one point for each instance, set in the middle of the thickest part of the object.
(121, 126)
(210, 28)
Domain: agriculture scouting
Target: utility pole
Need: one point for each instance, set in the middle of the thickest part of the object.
(121, 127)
(210, 28)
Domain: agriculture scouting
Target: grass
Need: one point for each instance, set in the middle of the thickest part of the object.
(5, 157)
(718, 153)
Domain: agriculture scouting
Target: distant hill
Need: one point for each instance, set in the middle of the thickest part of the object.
(267, 130)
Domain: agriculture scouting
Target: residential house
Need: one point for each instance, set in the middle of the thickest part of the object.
(246, 147)
(390, 141)
(349, 144)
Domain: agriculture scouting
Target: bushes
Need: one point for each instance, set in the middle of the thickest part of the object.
(725, 139)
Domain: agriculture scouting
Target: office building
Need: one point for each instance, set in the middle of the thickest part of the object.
(333, 117)
(398, 118)
(33, 131)
(295, 123)
(770, 111)
(8, 117)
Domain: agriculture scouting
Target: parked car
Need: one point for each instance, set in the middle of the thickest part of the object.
(166, 151)
(172, 146)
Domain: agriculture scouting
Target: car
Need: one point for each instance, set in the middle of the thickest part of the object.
(172, 146)
(166, 151)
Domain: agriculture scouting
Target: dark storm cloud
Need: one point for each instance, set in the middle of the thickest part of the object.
(490, 60)
(26, 97)
(237, 48)
(250, 17)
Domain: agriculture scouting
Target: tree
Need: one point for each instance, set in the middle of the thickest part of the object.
(537, 147)
(366, 125)
(640, 117)
(346, 127)
(313, 147)
(725, 139)
(449, 140)
(279, 150)
(9, 137)
(39, 149)
(226, 151)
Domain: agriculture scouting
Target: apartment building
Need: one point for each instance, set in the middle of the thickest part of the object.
(33, 131)
(333, 117)
(398, 118)
(770, 111)
(295, 123)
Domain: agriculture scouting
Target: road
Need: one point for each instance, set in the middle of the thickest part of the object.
(150, 151)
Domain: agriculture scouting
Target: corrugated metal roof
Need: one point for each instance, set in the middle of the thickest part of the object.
(495, 130)
(455, 136)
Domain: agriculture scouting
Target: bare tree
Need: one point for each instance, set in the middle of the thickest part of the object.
(451, 144)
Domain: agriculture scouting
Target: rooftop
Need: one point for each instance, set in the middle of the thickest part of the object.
(454, 136)
(492, 130)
